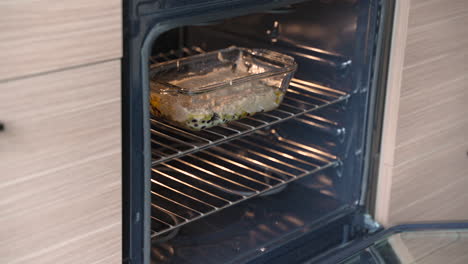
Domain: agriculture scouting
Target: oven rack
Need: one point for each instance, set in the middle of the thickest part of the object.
(196, 185)
(302, 97)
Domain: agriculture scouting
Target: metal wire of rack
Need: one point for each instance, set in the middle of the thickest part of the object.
(197, 173)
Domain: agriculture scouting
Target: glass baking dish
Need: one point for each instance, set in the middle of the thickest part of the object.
(216, 87)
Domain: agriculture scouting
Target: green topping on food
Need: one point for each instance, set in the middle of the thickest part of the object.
(279, 96)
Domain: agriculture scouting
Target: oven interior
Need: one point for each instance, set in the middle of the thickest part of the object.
(281, 186)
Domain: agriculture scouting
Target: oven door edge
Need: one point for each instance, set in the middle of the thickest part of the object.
(376, 106)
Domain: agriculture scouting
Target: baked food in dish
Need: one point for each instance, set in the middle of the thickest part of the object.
(213, 88)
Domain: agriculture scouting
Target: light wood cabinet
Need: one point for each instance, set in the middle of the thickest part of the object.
(39, 36)
(60, 156)
(60, 152)
(424, 161)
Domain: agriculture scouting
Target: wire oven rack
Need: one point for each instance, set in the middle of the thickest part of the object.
(197, 173)
(302, 97)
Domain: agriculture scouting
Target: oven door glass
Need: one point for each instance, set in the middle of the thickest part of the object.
(426, 243)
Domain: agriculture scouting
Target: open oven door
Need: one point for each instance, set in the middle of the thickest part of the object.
(429, 243)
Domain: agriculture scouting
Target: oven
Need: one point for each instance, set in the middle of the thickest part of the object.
(282, 186)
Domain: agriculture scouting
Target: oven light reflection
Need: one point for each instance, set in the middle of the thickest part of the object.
(293, 220)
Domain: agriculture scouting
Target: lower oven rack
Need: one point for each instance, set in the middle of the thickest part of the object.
(197, 173)
(191, 187)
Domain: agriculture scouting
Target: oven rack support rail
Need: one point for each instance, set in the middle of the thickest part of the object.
(198, 173)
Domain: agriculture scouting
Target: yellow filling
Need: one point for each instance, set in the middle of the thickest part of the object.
(200, 121)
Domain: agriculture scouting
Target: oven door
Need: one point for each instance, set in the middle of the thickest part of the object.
(416, 243)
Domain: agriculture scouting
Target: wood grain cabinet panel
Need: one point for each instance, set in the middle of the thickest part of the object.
(432, 143)
(417, 181)
(424, 171)
(427, 117)
(427, 42)
(434, 247)
(60, 157)
(39, 36)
